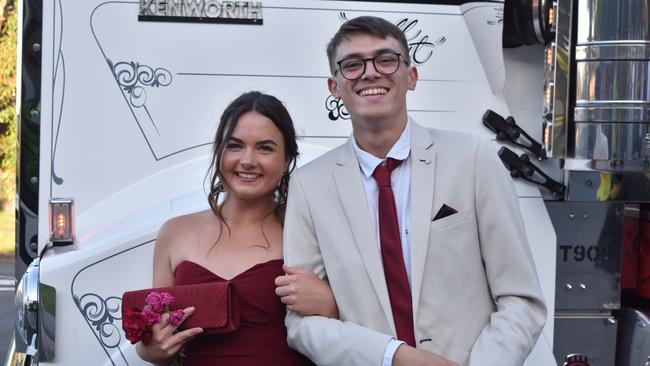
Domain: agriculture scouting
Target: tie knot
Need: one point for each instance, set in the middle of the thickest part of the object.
(383, 170)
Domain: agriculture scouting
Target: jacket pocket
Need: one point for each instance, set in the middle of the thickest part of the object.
(451, 220)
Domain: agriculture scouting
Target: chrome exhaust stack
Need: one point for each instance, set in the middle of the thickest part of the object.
(596, 121)
(598, 112)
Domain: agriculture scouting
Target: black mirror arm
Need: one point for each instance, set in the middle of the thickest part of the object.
(521, 167)
(506, 129)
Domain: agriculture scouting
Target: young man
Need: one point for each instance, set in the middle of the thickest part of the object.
(418, 231)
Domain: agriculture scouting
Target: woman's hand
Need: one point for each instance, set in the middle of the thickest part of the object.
(164, 342)
(305, 294)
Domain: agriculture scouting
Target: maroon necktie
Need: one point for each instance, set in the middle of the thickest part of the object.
(397, 282)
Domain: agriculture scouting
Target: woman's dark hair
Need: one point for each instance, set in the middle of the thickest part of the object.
(270, 107)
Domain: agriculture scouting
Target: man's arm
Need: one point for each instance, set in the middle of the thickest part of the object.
(512, 278)
(325, 341)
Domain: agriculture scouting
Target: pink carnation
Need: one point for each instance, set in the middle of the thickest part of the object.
(151, 316)
(154, 299)
(176, 317)
(166, 299)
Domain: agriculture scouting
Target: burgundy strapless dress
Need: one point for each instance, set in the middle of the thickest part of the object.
(261, 338)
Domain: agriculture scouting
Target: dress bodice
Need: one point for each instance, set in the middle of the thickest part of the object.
(261, 338)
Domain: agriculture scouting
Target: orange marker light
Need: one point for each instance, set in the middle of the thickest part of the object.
(61, 217)
(547, 132)
(60, 222)
(548, 94)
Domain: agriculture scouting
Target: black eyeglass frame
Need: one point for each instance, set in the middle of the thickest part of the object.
(365, 64)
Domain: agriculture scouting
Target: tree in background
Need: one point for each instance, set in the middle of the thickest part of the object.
(8, 42)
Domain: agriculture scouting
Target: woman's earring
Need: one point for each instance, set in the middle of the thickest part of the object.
(220, 187)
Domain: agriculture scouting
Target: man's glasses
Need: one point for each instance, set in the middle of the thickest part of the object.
(386, 63)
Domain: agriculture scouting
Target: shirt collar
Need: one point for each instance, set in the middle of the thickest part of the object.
(399, 151)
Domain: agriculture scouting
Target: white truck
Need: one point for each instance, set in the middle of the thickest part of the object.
(119, 100)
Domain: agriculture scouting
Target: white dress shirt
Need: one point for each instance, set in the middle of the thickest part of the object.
(401, 183)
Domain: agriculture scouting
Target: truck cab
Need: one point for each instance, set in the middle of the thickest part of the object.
(119, 102)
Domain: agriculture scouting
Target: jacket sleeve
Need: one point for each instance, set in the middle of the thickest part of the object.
(325, 341)
(520, 310)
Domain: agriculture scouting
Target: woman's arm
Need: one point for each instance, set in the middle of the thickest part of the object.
(165, 342)
(163, 275)
(306, 294)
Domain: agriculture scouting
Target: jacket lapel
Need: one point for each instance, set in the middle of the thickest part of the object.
(353, 198)
(423, 164)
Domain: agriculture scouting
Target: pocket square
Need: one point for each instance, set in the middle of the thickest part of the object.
(444, 212)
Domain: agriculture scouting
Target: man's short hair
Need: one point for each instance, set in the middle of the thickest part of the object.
(374, 26)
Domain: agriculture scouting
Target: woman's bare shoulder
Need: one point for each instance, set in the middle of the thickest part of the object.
(183, 228)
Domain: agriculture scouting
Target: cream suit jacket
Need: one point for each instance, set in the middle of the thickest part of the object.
(476, 296)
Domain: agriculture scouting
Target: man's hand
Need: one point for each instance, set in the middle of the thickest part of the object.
(410, 356)
(305, 294)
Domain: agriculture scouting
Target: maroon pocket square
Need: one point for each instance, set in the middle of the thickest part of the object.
(444, 212)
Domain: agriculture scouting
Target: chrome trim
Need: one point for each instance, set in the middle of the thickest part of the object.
(611, 141)
(612, 166)
(634, 337)
(15, 358)
(26, 301)
(559, 73)
(625, 113)
(576, 165)
(537, 19)
(611, 110)
(614, 42)
(543, 18)
(603, 20)
(619, 51)
(620, 102)
(617, 81)
(33, 318)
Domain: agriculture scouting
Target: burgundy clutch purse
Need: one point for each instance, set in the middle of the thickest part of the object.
(215, 304)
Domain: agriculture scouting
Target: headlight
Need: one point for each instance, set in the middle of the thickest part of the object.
(26, 302)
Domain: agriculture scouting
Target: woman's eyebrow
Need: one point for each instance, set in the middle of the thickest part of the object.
(264, 142)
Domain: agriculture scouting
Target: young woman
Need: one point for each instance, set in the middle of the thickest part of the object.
(238, 240)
